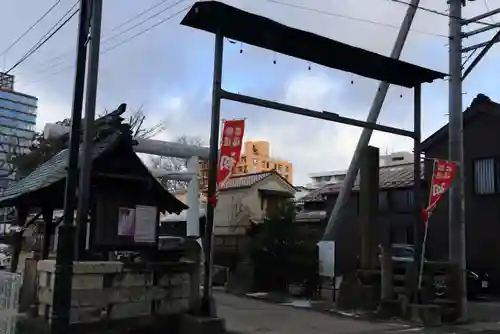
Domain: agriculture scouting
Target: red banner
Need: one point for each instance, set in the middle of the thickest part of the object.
(230, 151)
(442, 177)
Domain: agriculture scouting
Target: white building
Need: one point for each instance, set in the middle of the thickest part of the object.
(320, 179)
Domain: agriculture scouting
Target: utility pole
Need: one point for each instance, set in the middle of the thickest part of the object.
(66, 236)
(207, 302)
(364, 139)
(90, 105)
(456, 223)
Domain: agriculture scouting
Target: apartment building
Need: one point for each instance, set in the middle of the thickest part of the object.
(255, 158)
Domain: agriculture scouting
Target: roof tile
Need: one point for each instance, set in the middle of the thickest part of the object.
(397, 176)
(52, 171)
(245, 181)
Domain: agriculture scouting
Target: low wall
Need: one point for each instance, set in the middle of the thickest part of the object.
(107, 291)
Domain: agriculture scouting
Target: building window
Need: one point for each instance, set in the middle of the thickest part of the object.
(486, 176)
(255, 162)
(383, 201)
(402, 200)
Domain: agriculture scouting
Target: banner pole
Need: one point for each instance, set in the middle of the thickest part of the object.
(424, 243)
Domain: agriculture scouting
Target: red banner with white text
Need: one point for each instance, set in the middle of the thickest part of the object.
(230, 151)
(442, 177)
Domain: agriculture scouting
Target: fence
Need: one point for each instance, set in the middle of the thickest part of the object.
(10, 287)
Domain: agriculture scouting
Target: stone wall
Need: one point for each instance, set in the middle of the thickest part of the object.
(107, 291)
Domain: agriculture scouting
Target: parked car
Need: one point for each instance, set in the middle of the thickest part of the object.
(477, 284)
(5, 255)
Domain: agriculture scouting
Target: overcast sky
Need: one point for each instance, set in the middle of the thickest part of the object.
(168, 70)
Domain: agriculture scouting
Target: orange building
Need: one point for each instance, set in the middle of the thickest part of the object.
(255, 158)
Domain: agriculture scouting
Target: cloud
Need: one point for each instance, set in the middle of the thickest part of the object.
(168, 71)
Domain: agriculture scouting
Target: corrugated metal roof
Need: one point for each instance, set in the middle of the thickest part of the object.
(246, 180)
(52, 171)
(397, 176)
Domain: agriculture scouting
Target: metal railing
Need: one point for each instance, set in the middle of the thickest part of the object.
(10, 288)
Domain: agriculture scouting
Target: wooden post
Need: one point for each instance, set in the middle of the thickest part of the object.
(193, 253)
(368, 206)
(386, 272)
(48, 227)
(17, 237)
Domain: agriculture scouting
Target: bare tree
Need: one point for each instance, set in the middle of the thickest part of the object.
(42, 149)
(175, 164)
(10, 148)
(136, 120)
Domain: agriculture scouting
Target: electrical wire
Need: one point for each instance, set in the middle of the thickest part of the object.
(45, 38)
(50, 64)
(138, 15)
(433, 11)
(30, 28)
(125, 40)
(319, 11)
(148, 29)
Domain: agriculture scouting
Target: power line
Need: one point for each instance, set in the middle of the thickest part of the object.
(143, 21)
(125, 40)
(30, 28)
(138, 15)
(48, 66)
(44, 39)
(436, 12)
(148, 29)
(319, 11)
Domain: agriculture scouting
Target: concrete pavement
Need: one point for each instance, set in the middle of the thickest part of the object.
(248, 316)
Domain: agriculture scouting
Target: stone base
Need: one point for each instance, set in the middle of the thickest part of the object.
(389, 309)
(426, 315)
(191, 324)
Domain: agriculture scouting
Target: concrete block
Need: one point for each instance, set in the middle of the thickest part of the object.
(79, 282)
(128, 279)
(180, 291)
(191, 324)
(164, 280)
(86, 282)
(171, 306)
(84, 267)
(87, 315)
(45, 295)
(46, 266)
(426, 315)
(97, 267)
(117, 295)
(44, 279)
(130, 310)
(178, 279)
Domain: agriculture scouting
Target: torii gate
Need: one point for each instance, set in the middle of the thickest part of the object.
(166, 149)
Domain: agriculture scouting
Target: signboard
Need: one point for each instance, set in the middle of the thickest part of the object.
(230, 151)
(145, 224)
(326, 255)
(442, 177)
(126, 221)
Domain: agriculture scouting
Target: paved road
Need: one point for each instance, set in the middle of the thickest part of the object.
(249, 316)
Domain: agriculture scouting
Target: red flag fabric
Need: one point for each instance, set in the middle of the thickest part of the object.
(230, 151)
(442, 177)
